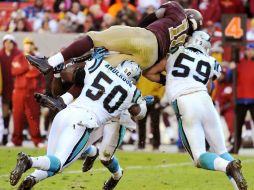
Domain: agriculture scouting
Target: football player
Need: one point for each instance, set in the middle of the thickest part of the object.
(108, 92)
(189, 70)
(148, 44)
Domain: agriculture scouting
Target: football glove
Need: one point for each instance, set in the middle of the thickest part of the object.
(149, 100)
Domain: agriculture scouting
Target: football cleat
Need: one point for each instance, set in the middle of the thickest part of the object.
(27, 183)
(111, 183)
(41, 63)
(89, 161)
(234, 170)
(24, 162)
(55, 104)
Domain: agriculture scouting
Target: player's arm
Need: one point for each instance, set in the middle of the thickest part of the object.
(138, 109)
(152, 17)
(155, 72)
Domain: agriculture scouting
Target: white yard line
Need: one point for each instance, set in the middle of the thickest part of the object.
(139, 167)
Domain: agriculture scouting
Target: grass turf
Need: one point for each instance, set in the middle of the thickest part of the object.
(142, 171)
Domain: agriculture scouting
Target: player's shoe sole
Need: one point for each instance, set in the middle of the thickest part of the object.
(111, 183)
(23, 164)
(27, 184)
(89, 161)
(234, 170)
(40, 63)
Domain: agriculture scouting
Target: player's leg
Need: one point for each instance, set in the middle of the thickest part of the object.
(112, 137)
(189, 111)
(39, 175)
(129, 40)
(72, 141)
(126, 40)
(92, 152)
(215, 137)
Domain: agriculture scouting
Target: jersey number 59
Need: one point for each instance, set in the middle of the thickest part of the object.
(203, 68)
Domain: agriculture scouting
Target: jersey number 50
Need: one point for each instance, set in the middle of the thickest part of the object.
(101, 90)
(203, 68)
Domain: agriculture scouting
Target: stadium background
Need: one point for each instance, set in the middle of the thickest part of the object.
(52, 24)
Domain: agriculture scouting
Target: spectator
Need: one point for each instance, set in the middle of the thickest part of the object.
(47, 24)
(245, 93)
(7, 53)
(157, 90)
(250, 33)
(76, 17)
(25, 107)
(19, 23)
(210, 9)
(37, 10)
(231, 6)
(224, 95)
(144, 4)
(89, 24)
(116, 7)
(60, 5)
(107, 21)
(1, 108)
(126, 16)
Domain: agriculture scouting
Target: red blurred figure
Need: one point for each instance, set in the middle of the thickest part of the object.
(27, 82)
(244, 93)
(210, 10)
(7, 53)
(226, 101)
(231, 6)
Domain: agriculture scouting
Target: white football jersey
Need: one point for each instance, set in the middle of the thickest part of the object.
(106, 92)
(189, 71)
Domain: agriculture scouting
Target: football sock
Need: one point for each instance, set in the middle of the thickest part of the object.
(40, 175)
(114, 167)
(46, 163)
(56, 60)
(67, 98)
(91, 151)
(229, 157)
(212, 161)
(117, 175)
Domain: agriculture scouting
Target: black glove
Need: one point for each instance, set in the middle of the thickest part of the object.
(55, 104)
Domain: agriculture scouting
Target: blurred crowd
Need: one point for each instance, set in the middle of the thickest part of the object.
(233, 94)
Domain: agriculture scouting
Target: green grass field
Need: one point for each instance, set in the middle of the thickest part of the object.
(142, 171)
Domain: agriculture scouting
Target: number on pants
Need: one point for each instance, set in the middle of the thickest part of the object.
(101, 89)
(203, 68)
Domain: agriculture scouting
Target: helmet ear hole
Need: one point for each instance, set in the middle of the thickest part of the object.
(130, 70)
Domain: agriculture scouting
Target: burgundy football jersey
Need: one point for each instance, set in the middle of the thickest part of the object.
(171, 30)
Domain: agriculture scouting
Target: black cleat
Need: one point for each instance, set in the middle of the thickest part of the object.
(23, 164)
(41, 63)
(55, 104)
(27, 183)
(89, 161)
(111, 183)
(234, 170)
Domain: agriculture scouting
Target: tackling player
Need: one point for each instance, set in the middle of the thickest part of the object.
(162, 30)
(189, 70)
(108, 92)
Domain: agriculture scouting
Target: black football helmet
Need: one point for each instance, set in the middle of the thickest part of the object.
(195, 20)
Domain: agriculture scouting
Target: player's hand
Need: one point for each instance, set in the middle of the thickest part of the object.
(149, 100)
(58, 68)
(99, 53)
(55, 104)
